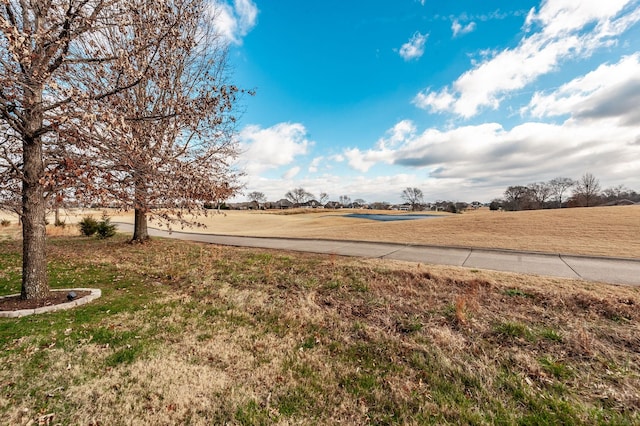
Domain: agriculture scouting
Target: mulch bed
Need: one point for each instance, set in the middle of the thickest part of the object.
(14, 303)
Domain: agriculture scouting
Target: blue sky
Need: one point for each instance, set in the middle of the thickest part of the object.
(460, 99)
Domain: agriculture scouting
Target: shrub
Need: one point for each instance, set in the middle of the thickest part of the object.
(88, 226)
(5, 222)
(59, 223)
(105, 228)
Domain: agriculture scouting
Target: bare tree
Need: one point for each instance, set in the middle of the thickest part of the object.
(517, 197)
(540, 193)
(10, 184)
(52, 74)
(587, 190)
(298, 196)
(496, 204)
(559, 186)
(618, 193)
(344, 200)
(323, 197)
(175, 142)
(257, 196)
(413, 196)
(10, 199)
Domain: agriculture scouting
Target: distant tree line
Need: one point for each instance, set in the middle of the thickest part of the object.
(563, 192)
(299, 197)
(556, 193)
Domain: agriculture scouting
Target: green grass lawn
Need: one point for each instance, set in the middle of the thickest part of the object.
(188, 333)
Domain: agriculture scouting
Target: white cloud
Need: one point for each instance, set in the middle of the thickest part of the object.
(458, 29)
(291, 173)
(561, 17)
(315, 163)
(276, 146)
(531, 16)
(478, 161)
(400, 132)
(488, 157)
(436, 101)
(562, 36)
(234, 22)
(610, 90)
(363, 161)
(599, 135)
(380, 188)
(414, 48)
(357, 160)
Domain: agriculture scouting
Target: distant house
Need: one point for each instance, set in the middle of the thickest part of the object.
(440, 206)
(380, 206)
(620, 203)
(282, 204)
(357, 205)
(250, 205)
(311, 204)
(333, 205)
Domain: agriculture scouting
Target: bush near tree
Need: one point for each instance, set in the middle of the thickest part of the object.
(88, 226)
(103, 229)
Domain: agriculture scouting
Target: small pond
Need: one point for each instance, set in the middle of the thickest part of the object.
(392, 217)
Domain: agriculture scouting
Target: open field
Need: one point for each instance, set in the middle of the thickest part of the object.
(188, 333)
(602, 231)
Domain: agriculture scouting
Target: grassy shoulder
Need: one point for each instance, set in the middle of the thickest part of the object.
(187, 333)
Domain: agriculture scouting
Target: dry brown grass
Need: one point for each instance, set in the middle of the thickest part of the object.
(198, 334)
(604, 231)
(601, 231)
(10, 232)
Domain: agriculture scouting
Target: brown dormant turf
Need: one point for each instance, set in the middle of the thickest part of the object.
(601, 231)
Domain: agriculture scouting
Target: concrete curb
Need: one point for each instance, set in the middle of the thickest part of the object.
(94, 294)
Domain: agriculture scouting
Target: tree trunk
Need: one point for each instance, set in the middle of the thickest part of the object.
(140, 232)
(35, 284)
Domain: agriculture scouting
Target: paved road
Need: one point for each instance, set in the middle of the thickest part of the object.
(601, 269)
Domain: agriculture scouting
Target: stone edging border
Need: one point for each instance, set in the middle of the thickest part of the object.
(94, 294)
